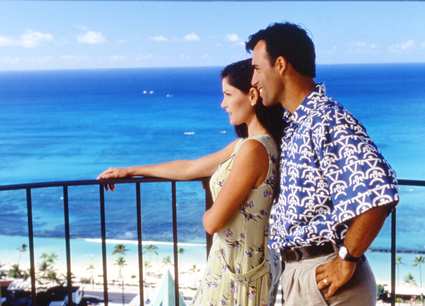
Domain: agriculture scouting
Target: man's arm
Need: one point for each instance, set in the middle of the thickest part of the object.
(362, 231)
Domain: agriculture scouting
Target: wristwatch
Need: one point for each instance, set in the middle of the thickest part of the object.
(345, 255)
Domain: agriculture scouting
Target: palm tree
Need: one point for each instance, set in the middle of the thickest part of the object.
(419, 261)
(398, 262)
(121, 263)
(150, 249)
(410, 279)
(120, 250)
(91, 269)
(47, 266)
(49, 258)
(15, 272)
(2, 273)
(166, 260)
(22, 249)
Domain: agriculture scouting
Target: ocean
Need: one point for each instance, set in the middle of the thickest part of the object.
(68, 125)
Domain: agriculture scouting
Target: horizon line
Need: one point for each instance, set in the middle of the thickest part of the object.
(189, 67)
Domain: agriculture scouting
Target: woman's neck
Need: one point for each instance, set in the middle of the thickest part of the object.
(255, 128)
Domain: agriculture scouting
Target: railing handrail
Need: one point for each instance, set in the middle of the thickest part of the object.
(409, 182)
(139, 179)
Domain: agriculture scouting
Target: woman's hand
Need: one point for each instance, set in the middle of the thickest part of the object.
(113, 173)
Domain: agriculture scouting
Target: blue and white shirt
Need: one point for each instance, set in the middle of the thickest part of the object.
(331, 172)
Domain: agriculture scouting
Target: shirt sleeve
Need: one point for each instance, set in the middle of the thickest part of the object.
(358, 177)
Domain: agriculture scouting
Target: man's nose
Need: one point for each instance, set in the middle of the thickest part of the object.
(254, 79)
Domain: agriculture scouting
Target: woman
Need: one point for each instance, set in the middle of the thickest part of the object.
(243, 181)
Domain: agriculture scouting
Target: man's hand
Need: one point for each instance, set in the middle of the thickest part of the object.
(333, 275)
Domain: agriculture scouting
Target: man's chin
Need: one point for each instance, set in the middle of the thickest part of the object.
(267, 103)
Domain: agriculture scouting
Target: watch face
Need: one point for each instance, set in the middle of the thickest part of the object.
(342, 252)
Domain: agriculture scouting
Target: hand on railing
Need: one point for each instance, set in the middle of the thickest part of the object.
(112, 173)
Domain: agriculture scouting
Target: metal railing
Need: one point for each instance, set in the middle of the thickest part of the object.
(138, 181)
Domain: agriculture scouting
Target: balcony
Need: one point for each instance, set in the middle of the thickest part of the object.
(389, 295)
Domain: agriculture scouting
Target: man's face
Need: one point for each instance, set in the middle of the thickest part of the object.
(266, 77)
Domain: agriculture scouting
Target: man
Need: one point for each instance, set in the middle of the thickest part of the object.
(336, 189)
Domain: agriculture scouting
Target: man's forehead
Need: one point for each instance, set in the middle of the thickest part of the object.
(259, 50)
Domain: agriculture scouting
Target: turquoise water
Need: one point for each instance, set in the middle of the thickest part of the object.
(65, 125)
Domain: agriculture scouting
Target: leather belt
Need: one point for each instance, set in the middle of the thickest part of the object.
(307, 252)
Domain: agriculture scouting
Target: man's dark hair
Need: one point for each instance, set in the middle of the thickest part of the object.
(289, 41)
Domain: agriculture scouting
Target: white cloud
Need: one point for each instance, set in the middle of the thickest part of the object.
(6, 41)
(10, 60)
(192, 37)
(32, 39)
(91, 38)
(29, 39)
(403, 46)
(144, 57)
(232, 37)
(363, 45)
(410, 44)
(117, 58)
(70, 58)
(159, 38)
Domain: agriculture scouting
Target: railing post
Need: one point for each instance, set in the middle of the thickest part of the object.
(67, 244)
(31, 246)
(393, 255)
(139, 242)
(103, 234)
(175, 240)
(208, 204)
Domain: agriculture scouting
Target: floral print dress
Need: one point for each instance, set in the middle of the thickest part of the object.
(237, 271)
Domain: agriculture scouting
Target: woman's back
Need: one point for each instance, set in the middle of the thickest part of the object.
(237, 273)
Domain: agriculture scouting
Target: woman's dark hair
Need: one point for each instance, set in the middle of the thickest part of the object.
(239, 75)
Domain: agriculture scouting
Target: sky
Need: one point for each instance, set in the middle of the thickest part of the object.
(130, 34)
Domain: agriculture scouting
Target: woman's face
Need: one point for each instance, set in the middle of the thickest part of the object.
(236, 104)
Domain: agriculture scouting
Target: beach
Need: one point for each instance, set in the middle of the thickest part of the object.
(86, 264)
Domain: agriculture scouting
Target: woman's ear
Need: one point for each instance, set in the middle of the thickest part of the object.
(253, 96)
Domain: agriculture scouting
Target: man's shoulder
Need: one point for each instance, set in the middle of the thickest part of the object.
(330, 112)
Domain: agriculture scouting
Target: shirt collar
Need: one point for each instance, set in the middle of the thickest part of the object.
(309, 103)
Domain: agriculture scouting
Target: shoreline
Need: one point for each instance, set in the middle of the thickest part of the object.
(86, 263)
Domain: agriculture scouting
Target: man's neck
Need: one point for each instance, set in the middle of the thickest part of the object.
(295, 92)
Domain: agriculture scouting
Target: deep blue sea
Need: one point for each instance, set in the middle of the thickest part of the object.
(67, 125)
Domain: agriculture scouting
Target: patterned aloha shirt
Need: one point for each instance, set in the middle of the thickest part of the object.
(331, 172)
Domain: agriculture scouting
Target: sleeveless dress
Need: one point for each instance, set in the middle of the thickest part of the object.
(237, 272)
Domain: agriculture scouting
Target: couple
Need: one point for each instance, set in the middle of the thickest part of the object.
(299, 197)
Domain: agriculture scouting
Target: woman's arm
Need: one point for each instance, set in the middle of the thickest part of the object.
(248, 171)
(176, 170)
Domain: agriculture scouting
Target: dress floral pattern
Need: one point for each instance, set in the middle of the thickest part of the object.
(237, 272)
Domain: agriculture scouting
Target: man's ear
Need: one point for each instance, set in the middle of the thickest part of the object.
(280, 65)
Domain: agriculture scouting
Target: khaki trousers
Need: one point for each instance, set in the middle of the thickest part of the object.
(299, 286)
